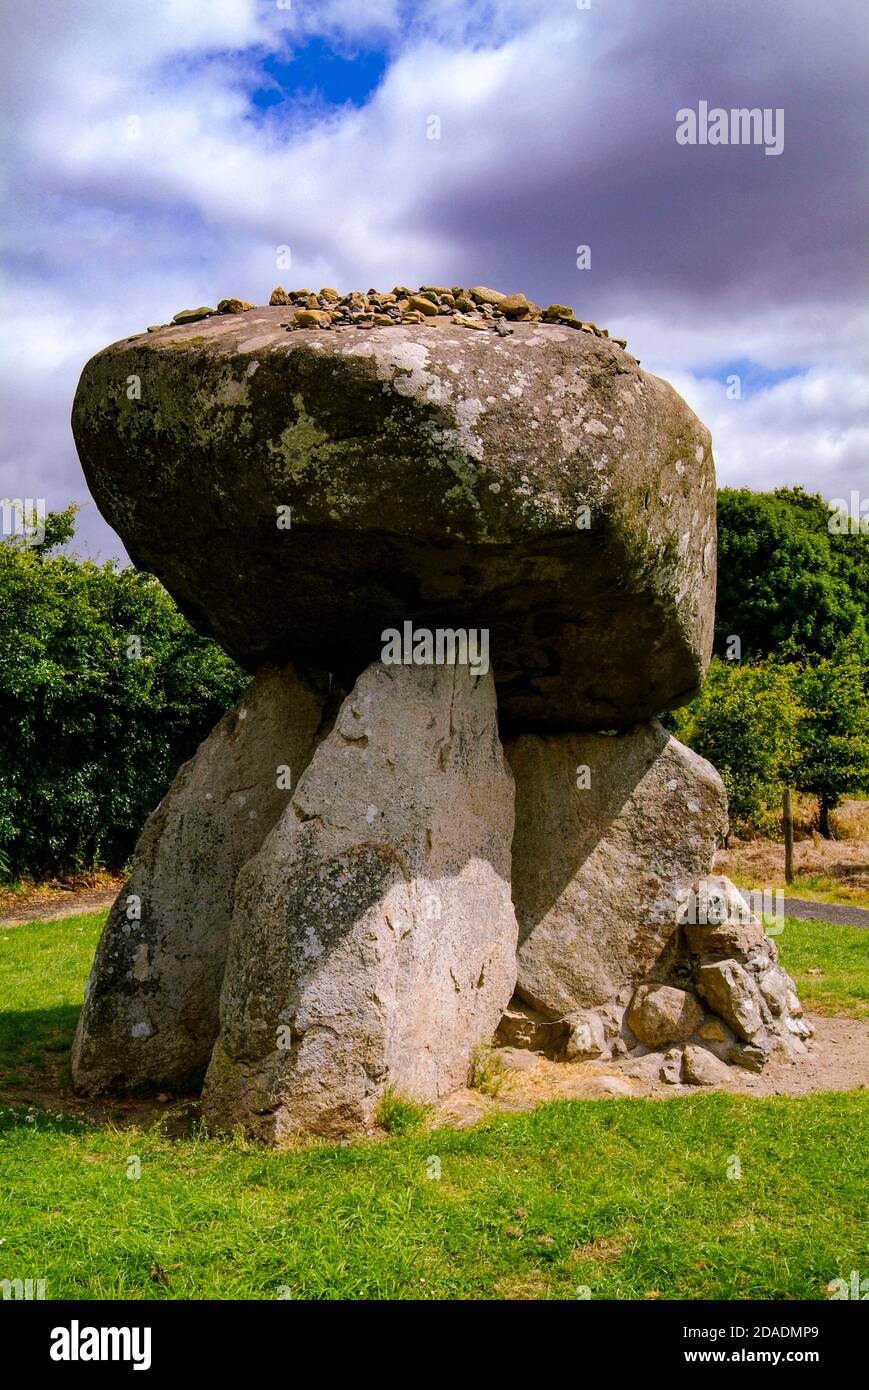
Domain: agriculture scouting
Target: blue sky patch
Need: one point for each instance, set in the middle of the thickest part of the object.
(318, 71)
(753, 376)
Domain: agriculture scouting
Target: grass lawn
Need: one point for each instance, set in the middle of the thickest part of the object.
(710, 1196)
(631, 1199)
(43, 967)
(812, 888)
(821, 888)
(840, 953)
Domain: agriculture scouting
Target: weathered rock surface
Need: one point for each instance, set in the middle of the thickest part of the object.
(374, 938)
(728, 991)
(723, 955)
(605, 1088)
(522, 1026)
(716, 1036)
(517, 1059)
(150, 1014)
(736, 972)
(660, 1014)
(598, 869)
(334, 482)
(670, 1069)
(587, 1038)
(700, 1067)
(720, 924)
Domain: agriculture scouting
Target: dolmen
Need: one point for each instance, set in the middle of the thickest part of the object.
(467, 555)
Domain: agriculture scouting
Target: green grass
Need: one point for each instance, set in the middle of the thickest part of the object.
(841, 953)
(817, 888)
(487, 1071)
(627, 1198)
(43, 967)
(823, 888)
(397, 1115)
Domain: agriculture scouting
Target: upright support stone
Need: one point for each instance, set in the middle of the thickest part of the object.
(609, 831)
(150, 1014)
(374, 938)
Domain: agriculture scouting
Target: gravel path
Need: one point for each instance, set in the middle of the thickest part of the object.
(840, 913)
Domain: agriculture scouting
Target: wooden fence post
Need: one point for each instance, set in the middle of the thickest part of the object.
(788, 824)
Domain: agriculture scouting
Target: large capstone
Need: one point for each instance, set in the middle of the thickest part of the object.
(374, 938)
(611, 832)
(150, 1014)
(299, 493)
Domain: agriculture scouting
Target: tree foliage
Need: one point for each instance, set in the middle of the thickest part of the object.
(795, 710)
(785, 578)
(833, 729)
(745, 721)
(104, 690)
(787, 721)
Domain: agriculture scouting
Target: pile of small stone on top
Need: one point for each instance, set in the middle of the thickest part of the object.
(477, 308)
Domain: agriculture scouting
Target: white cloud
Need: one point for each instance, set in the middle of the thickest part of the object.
(810, 430)
(557, 129)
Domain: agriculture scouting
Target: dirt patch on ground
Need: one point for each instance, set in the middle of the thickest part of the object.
(48, 901)
(604, 1249)
(837, 1060)
(761, 864)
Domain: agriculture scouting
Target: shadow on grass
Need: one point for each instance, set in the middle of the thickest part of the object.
(35, 1043)
(36, 1080)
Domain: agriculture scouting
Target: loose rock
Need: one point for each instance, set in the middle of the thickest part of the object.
(727, 989)
(480, 295)
(737, 972)
(464, 321)
(193, 315)
(419, 304)
(586, 1037)
(749, 1056)
(516, 306)
(517, 1059)
(233, 306)
(522, 1026)
(311, 318)
(659, 1014)
(671, 1067)
(702, 1068)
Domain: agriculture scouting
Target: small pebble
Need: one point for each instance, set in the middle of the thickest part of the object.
(474, 308)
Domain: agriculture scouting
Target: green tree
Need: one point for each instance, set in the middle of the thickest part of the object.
(783, 576)
(105, 689)
(745, 722)
(833, 728)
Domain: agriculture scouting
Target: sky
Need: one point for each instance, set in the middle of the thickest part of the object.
(158, 155)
